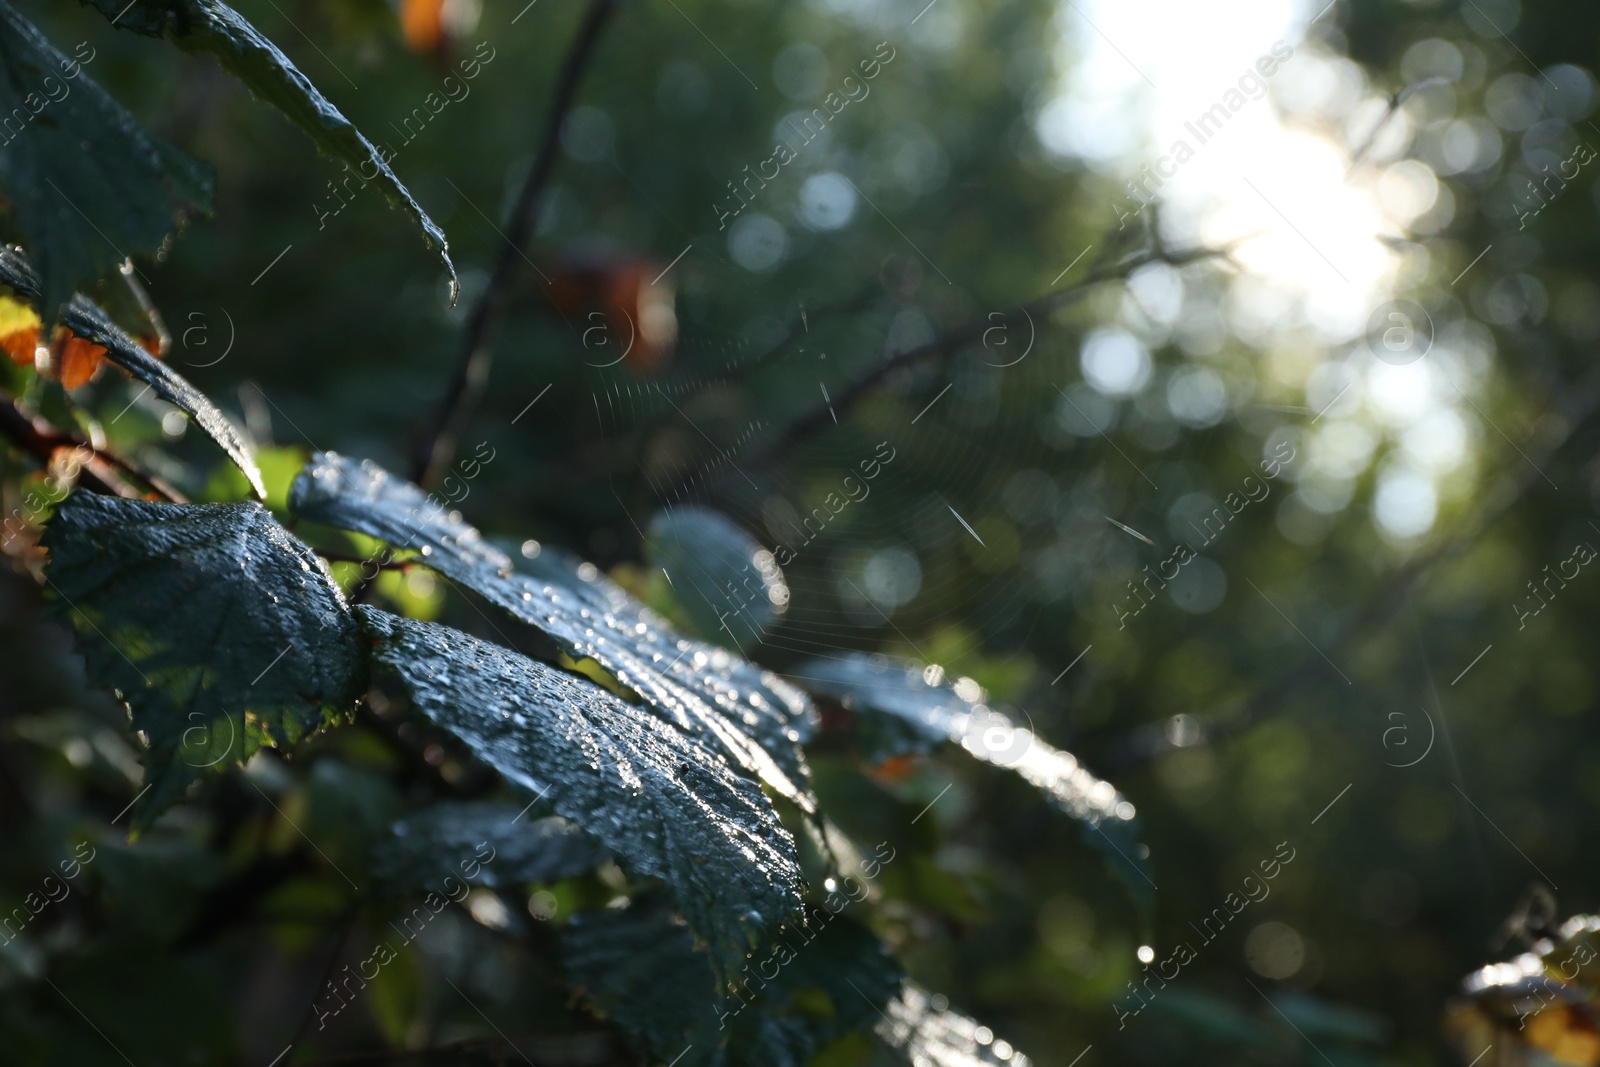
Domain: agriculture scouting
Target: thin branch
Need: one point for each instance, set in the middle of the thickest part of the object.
(823, 415)
(152, 313)
(99, 472)
(1359, 154)
(1579, 402)
(437, 450)
(797, 330)
(345, 927)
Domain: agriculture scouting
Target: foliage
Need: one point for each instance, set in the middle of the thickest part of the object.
(213, 27)
(134, 182)
(769, 518)
(221, 631)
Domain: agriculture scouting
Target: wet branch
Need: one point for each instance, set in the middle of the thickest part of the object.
(466, 386)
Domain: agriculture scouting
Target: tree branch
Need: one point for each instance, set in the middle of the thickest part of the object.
(817, 417)
(437, 450)
(1578, 403)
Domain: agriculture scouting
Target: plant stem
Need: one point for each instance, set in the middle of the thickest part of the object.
(483, 323)
(99, 469)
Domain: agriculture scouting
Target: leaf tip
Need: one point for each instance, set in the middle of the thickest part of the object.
(455, 282)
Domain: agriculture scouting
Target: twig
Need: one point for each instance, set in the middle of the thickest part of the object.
(797, 330)
(1395, 100)
(1582, 399)
(345, 927)
(483, 323)
(232, 901)
(99, 471)
(820, 416)
(152, 313)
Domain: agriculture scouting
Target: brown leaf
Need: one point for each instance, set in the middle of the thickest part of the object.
(77, 360)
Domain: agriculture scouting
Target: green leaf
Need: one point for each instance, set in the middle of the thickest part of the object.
(89, 322)
(828, 983)
(802, 989)
(396, 996)
(85, 185)
(731, 587)
(208, 26)
(754, 717)
(924, 1032)
(919, 707)
(637, 967)
(449, 839)
(221, 631)
(663, 803)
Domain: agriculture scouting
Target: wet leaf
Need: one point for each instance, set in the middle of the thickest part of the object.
(801, 989)
(637, 967)
(222, 632)
(483, 843)
(663, 803)
(924, 1032)
(89, 322)
(754, 717)
(208, 26)
(91, 325)
(917, 707)
(827, 983)
(730, 586)
(82, 212)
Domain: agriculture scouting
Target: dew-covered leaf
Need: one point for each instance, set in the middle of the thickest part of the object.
(751, 715)
(209, 26)
(731, 587)
(483, 843)
(665, 804)
(908, 708)
(222, 632)
(801, 989)
(924, 1032)
(91, 324)
(84, 184)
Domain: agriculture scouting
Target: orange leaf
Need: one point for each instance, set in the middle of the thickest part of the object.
(637, 303)
(19, 330)
(78, 360)
(893, 770)
(422, 24)
(19, 345)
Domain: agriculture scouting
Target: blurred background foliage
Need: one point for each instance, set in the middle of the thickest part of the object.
(1272, 693)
